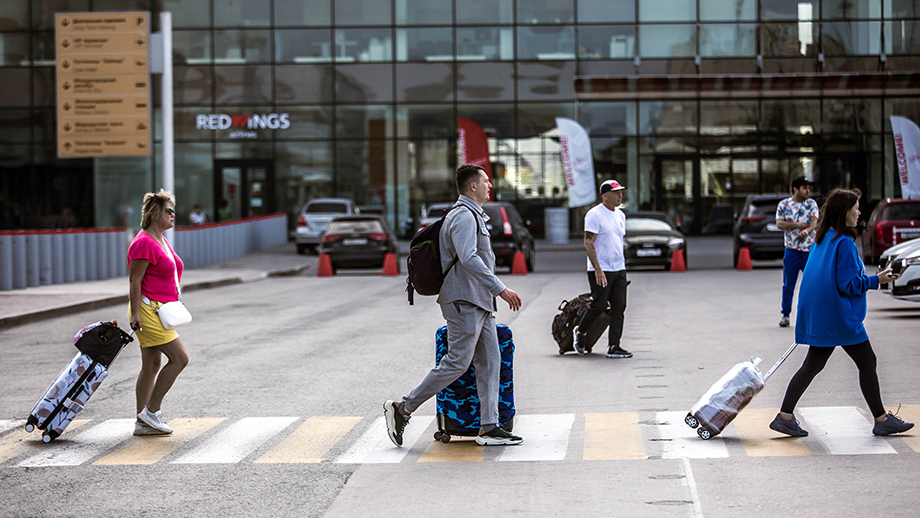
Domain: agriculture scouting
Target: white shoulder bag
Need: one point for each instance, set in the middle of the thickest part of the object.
(172, 314)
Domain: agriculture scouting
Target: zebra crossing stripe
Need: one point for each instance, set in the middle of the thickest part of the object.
(83, 446)
(679, 441)
(613, 436)
(758, 440)
(375, 447)
(844, 431)
(310, 441)
(465, 450)
(546, 438)
(237, 441)
(19, 441)
(9, 424)
(151, 449)
(911, 413)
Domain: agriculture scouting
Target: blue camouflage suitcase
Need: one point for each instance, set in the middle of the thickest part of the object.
(458, 405)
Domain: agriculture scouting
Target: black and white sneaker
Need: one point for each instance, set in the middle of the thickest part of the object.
(498, 437)
(396, 422)
(578, 341)
(615, 351)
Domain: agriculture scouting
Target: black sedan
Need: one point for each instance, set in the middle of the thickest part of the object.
(510, 235)
(358, 242)
(651, 239)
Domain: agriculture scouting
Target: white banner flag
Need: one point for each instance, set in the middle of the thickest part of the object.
(907, 151)
(578, 162)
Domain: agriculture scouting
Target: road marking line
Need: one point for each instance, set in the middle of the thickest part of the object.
(680, 441)
(83, 446)
(546, 437)
(310, 441)
(753, 426)
(456, 451)
(237, 441)
(151, 449)
(613, 436)
(844, 431)
(375, 447)
(19, 441)
(9, 424)
(697, 509)
(910, 413)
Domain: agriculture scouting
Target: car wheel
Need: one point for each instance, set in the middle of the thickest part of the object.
(531, 259)
(301, 249)
(735, 258)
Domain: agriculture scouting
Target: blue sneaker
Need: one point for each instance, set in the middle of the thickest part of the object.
(891, 424)
(788, 426)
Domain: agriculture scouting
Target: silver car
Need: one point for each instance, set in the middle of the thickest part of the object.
(315, 218)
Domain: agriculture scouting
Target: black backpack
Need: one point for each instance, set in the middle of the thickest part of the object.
(102, 341)
(424, 262)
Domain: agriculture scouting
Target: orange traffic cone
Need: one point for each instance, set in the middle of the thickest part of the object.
(325, 266)
(389, 265)
(744, 259)
(519, 266)
(677, 261)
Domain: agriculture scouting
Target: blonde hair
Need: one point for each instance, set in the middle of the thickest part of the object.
(154, 205)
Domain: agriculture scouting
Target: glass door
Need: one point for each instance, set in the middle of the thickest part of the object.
(244, 188)
(676, 182)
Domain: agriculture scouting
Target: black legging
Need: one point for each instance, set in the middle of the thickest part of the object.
(864, 358)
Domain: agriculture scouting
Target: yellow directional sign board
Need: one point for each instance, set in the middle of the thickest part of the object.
(103, 84)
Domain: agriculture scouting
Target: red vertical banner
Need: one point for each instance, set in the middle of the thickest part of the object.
(474, 147)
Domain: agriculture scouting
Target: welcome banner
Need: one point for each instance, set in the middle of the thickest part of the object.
(907, 151)
(577, 161)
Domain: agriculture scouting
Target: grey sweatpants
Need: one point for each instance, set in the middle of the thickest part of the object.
(471, 338)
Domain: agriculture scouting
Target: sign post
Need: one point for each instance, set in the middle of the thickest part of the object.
(103, 84)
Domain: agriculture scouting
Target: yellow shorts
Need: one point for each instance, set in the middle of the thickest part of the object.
(152, 333)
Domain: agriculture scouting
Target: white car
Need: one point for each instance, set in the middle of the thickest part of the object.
(904, 258)
(315, 217)
(433, 213)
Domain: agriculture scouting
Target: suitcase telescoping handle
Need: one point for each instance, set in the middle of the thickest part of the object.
(779, 362)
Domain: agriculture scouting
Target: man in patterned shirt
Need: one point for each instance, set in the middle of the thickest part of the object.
(797, 216)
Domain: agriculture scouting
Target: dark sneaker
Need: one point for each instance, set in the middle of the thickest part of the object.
(497, 437)
(784, 322)
(891, 424)
(396, 422)
(578, 341)
(615, 351)
(788, 426)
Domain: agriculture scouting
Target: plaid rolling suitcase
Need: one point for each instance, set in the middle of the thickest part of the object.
(99, 345)
(458, 405)
(571, 314)
(728, 396)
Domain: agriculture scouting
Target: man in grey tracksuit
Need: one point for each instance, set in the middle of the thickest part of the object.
(467, 301)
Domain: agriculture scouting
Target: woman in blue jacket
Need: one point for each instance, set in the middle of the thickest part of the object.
(832, 307)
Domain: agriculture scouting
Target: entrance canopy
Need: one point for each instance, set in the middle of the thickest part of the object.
(745, 86)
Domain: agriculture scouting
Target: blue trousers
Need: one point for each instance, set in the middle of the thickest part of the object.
(793, 263)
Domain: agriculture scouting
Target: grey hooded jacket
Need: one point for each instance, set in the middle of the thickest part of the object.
(472, 279)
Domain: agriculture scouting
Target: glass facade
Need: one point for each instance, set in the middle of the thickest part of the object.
(281, 101)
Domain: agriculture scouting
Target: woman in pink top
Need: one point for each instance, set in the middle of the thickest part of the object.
(154, 270)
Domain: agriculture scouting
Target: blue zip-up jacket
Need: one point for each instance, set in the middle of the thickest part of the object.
(832, 297)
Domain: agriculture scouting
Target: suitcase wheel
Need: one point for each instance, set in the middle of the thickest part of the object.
(691, 421)
(704, 433)
(46, 438)
(441, 436)
(30, 427)
(561, 351)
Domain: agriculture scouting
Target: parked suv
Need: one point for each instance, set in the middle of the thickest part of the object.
(756, 228)
(315, 218)
(509, 235)
(892, 222)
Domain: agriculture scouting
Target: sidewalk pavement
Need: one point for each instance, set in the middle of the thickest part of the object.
(19, 307)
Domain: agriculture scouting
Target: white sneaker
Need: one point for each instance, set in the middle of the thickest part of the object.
(143, 429)
(577, 343)
(154, 420)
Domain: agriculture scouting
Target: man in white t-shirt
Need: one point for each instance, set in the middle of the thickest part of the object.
(605, 226)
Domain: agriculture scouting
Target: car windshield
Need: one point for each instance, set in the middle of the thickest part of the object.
(901, 211)
(761, 207)
(362, 226)
(327, 207)
(646, 225)
(436, 212)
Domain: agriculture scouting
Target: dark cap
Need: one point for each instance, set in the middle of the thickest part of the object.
(611, 185)
(800, 181)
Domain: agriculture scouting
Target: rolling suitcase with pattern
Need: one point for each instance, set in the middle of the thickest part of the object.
(99, 345)
(727, 397)
(458, 404)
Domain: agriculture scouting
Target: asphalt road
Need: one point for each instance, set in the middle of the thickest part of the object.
(277, 413)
